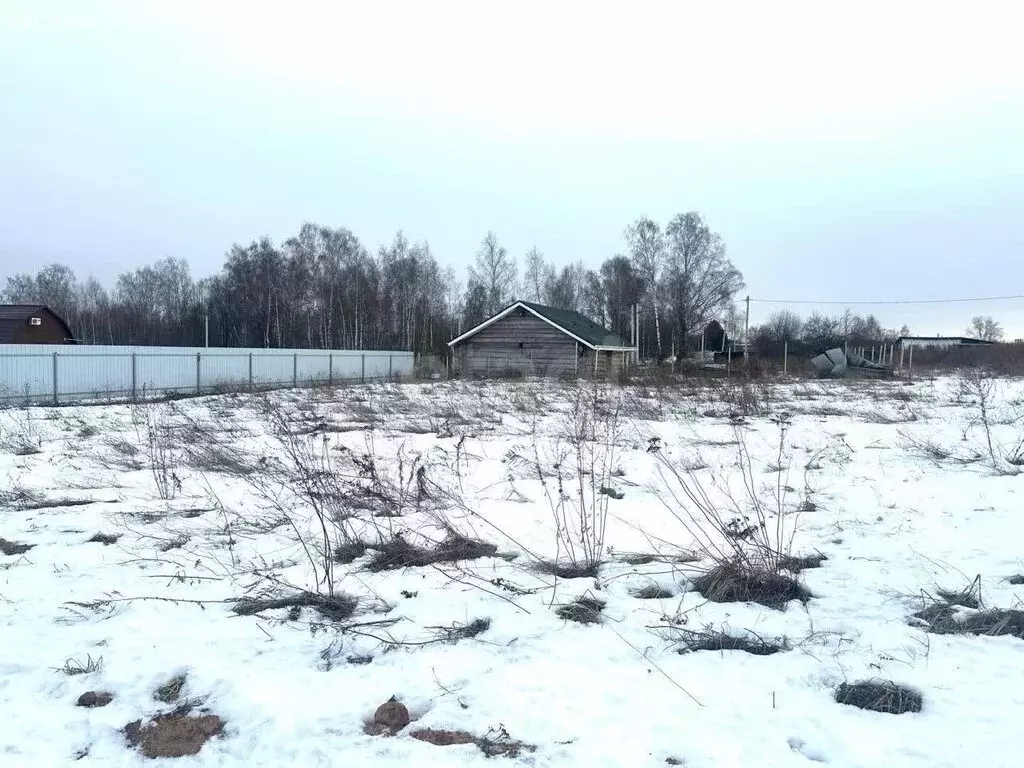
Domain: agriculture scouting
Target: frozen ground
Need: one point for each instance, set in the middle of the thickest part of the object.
(214, 499)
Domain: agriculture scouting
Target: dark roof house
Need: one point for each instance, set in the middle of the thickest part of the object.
(32, 324)
(531, 338)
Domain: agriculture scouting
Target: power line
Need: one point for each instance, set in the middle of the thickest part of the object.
(887, 303)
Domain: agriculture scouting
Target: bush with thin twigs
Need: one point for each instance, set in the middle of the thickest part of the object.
(20, 432)
(162, 448)
(574, 473)
(746, 538)
(930, 449)
(981, 388)
(879, 696)
(1015, 455)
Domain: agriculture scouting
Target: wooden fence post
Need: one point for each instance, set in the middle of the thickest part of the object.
(295, 370)
(56, 389)
(199, 373)
(330, 369)
(250, 371)
(135, 379)
(362, 368)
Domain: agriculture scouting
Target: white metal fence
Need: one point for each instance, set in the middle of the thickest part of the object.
(68, 373)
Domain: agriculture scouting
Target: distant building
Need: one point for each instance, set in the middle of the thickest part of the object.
(939, 342)
(529, 338)
(32, 324)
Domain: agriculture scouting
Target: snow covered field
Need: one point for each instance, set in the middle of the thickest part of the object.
(202, 503)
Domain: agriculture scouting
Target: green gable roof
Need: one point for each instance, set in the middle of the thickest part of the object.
(577, 325)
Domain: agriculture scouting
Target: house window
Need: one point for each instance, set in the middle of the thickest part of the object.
(35, 321)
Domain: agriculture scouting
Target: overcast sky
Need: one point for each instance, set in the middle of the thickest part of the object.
(876, 154)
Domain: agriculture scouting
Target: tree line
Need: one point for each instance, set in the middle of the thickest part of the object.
(324, 289)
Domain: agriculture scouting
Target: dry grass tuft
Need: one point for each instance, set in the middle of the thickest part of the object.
(74, 667)
(349, 551)
(13, 547)
(458, 631)
(582, 610)
(879, 696)
(795, 564)
(730, 582)
(399, 553)
(106, 539)
(652, 592)
(721, 641)
(580, 570)
(498, 743)
(337, 608)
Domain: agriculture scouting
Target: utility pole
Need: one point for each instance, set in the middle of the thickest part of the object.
(746, 337)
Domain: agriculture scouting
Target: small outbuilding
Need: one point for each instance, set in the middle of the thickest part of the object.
(32, 324)
(533, 339)
(941, 342)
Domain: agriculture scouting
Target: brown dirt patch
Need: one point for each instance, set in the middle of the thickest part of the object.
(173, 735)
(443, 738)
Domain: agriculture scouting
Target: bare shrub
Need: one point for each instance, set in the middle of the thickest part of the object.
(20, 432)
(744, 535)
(161, 445)
(928, 448)
(573, 474)
(980, 387)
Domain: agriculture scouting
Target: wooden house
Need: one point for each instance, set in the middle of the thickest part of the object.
(532, 339)
(32, 324)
